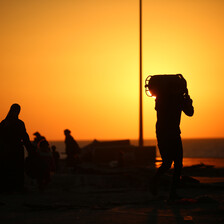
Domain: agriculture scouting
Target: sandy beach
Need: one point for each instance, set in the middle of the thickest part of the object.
(114, 195)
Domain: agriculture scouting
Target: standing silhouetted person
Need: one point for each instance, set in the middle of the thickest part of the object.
(56, 157)
(72, 149)
(13, 137)
(171, 100)
(47, 164)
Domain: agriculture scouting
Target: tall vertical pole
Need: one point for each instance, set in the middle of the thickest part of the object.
(140, 80)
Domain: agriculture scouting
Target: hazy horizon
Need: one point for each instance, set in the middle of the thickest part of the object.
(117, 139)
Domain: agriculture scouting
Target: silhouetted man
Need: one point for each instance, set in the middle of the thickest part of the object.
(169, 106)
(72, 148)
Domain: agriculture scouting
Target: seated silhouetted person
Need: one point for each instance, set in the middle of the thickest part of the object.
(72, 149)
(13, 137)
(169, 105)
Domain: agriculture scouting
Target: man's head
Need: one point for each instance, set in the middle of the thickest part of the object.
(67, 132)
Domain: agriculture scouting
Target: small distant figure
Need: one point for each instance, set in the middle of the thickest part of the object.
(38, 138)
(171, 99)
(13, 137)
(56, 157)
(47, 164)
(72, 149)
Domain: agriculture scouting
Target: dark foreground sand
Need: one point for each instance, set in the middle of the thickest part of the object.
(112, 196)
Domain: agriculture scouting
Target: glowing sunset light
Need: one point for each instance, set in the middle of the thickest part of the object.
(75, 64)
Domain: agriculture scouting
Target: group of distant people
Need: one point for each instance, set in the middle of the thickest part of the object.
(41, 161)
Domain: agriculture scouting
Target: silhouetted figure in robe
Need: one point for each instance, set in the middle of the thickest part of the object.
(72, 149)
(13, 137)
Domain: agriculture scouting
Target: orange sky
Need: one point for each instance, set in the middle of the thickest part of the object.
(74, 64)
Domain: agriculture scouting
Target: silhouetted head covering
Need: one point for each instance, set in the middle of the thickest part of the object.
(36, 134)
(13, 112)
(67, 131)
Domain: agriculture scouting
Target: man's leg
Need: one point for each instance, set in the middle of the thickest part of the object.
(164, 148)
(178, 164)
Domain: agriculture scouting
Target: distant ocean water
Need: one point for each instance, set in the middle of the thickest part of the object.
(196, 151)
